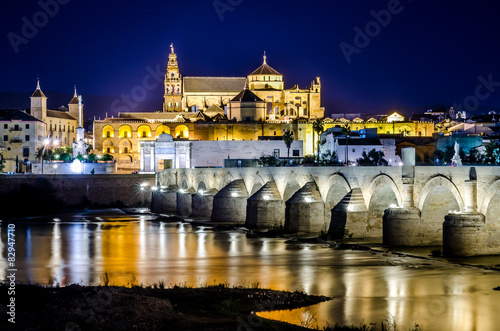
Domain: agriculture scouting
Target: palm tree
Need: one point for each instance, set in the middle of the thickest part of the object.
(318, 128)
(346, 130)
(288, 139)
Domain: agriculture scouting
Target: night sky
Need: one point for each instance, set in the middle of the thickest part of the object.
(428, 52)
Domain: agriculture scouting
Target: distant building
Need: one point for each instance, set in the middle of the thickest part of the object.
(21, 137)
(24, 131)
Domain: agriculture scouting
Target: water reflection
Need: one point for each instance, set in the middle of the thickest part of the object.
(366, 287)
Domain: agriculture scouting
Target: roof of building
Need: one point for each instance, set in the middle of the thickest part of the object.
(38, 92)
(247, 96)
(265, 69)
(214, 84)
(60, 114)
(16, 115)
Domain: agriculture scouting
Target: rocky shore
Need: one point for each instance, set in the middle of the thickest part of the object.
(218, 307)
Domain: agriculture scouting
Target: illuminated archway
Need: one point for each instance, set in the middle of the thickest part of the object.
(144, 131)
(125, 146)
(182, 131)
(161, 129)
(108, 147)
(125, 131)
(108, 131)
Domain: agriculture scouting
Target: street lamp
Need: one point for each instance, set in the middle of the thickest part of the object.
(46, 141)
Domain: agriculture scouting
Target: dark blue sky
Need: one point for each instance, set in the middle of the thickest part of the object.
(431, 52)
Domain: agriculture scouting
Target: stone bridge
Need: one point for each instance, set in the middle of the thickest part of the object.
(457, 207)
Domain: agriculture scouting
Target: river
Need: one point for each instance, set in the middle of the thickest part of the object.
(367, 287)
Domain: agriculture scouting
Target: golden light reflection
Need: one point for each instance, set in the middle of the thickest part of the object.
(365, 288)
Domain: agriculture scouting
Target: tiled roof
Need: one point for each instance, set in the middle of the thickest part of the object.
(59, 114)
(265, 69)
(214, 84)
(74, 100)
(247, 96)
(16, 114)
(38, 93)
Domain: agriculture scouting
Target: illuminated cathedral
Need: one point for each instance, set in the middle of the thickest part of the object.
(253, 107)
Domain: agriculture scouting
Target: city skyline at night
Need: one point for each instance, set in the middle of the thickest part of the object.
(370, 55)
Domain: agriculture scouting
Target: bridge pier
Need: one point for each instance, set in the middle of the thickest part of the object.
(401, 227)
(230, 203)
(164, 200)
(305, 211)
(203, 203)
(265, 209)
(464, 235)
(350, 214)
(185, 201)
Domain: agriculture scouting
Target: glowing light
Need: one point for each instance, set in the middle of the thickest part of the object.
(401, 164)
(350, 208)
(182, 191)
(201, 192)
(308, 199)
(46, 141)
(234, 194)
(267, 197)
(55, 142)
(142, 188)
(144, 184)
(76, 166)
(154, 188)
(393, 205)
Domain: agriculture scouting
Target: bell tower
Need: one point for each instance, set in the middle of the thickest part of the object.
(173, 84)
(39, 103)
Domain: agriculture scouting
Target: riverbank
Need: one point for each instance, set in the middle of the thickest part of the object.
(217, 307)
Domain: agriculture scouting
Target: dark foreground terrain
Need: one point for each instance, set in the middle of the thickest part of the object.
(77, 307)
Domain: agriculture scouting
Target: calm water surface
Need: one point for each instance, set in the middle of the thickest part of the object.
(367, 287)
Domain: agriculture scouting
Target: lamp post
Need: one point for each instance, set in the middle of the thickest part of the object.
(46, 142)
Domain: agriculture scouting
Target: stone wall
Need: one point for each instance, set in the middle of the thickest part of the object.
(97, 189)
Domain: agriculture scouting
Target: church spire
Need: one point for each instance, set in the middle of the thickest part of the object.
(265, 58)
(75, 92)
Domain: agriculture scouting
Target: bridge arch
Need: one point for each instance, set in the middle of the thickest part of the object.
(490, 207)
(435, 183)
(291, 187)
(381, 194)
(338, 186)
(439, 196)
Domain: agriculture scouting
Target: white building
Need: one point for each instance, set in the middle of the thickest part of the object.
(165, 153)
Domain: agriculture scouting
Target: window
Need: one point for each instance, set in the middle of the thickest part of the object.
(27, 126)
(239, 163)
(296, 152)
(26, 151)
(108, 134)
(16, 127)
(274, 132)
(5, 138)
(108, 150)
(27, 137)
(354, 150)
(5, 126)
(144, 134)
(125, 149)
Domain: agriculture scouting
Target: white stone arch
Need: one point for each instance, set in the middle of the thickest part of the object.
(379, 180)
(492, 190)
(338, 179)
(253, 182)
(436, 182)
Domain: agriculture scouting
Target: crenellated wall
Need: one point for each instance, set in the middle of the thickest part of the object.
(405, 205)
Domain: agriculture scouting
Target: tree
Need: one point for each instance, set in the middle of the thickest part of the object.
(318, 128)
(346, 130)
(373, 158)
(288, 139)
